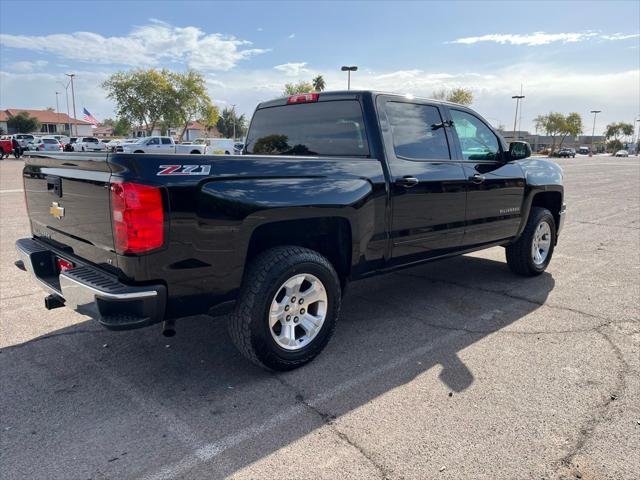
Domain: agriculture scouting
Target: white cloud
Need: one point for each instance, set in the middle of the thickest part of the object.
(551, 88)
(146, 45)
(531, 39)
(26, 66)
(540, 38)
(292, 69)
(621, 36)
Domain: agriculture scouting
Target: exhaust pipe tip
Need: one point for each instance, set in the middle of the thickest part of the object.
(169, 328)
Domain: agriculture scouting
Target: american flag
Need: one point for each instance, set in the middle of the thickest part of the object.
(89, 118)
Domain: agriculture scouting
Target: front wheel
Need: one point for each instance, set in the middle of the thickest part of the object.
(531, 254)
(287, 309)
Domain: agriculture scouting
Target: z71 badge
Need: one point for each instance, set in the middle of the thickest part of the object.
(184, 170)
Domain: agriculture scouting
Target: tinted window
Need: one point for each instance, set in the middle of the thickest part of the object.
(321, 128)
(417, 131)
(49, 140)
(154, 141)
(477, 140)
(91, 140)
(166, 141)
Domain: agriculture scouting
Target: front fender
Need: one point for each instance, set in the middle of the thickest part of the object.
(541, 175)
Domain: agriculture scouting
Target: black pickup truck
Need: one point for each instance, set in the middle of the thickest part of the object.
(332, 187)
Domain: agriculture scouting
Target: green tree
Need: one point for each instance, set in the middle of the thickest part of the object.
(319, 85)
(226, 121)
(572, 126)
(108, 122)
(552, 125)
(210, 117)
(121, 127)
(462, 96)
(294, 88)
(614, 132)
(143, 97)
(189, 99)
(22, 122)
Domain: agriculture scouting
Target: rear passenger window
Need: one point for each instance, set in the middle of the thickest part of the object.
(166, 141)
(417, 131)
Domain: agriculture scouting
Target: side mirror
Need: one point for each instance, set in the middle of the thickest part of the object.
(519, 150)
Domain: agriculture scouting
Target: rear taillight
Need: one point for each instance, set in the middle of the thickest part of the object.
(303, 98)
(138, 217)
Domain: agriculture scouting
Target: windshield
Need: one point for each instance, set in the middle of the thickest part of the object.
(333, 128)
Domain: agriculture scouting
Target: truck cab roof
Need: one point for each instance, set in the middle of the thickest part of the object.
(353, 95)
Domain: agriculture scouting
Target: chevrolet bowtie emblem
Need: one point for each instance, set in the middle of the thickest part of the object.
(56, 210)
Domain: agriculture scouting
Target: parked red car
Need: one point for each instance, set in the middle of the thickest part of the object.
(6, 147)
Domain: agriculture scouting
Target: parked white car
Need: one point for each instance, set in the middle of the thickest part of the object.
(217, 146)
(63, 139)
(89, 144)
(23, 139)
(159, 145)
(45, 144)
(622, 153)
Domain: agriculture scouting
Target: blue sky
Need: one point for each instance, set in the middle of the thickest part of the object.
(572, 56)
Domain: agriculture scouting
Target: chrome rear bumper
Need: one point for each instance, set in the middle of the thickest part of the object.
(91, 290)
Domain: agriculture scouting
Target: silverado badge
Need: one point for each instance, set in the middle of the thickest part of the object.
(56, 210)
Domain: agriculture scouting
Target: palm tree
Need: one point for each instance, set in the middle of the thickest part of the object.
(318, 83)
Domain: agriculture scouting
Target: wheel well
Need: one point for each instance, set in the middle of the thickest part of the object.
(195, 151)
(329, 236)
(552, 201)
(138, 151)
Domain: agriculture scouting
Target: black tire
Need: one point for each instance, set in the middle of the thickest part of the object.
(519, 254)
(249, 323)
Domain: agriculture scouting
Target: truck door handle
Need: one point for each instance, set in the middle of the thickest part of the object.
(407, 181)
(477, 178)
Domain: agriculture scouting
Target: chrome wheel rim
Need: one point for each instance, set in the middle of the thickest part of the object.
(541, 243)
(298, 311)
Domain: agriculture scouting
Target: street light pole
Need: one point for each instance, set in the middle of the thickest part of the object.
(593, 132)
(349, 69)
(73, 98)
(57, 111)
(66, 94)
(515, 119)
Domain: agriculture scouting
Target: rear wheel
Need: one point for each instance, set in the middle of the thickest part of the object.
(531, 254)
(288, 308)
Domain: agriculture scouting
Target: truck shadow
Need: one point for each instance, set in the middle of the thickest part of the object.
(124, 405)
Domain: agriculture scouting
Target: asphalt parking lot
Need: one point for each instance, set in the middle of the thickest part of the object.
(453, 370)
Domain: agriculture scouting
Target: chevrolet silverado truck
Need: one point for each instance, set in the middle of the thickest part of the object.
(332, 187)
(159, 145)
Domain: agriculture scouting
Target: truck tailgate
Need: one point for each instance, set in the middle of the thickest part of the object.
(68, 203)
